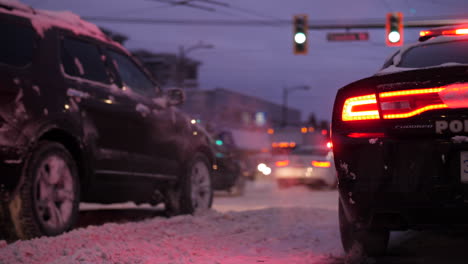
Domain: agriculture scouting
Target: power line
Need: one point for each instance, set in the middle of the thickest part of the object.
(251, 12)
(188, 3)
(132, 11)
(188, 22)
(215, 2)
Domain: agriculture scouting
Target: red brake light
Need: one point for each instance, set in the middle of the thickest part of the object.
(360, 108)
(366, 135)
(408, 103)
(400, 104)
(321, 164)
(329, 144)
(461, 31)
(282, 163)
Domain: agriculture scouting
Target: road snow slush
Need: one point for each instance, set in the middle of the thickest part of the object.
(274, 235)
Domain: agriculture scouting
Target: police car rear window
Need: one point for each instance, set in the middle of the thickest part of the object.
(16, 47)
(434, 54)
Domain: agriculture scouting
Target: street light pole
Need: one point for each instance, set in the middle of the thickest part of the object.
(286, 90)
(182, 59)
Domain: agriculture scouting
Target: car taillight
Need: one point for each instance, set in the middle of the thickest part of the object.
(321, 164)
(282, 163)
(360, 108)
(393, 105)
(404, 104)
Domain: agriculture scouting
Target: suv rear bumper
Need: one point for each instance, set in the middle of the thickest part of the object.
(400, 184)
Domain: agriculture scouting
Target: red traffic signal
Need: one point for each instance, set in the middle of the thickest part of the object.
(394, 29)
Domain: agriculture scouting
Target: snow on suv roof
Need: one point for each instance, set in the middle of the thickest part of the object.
(42, 20)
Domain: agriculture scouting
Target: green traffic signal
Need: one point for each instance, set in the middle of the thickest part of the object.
(300, 34)
(394, 29)
(300, 38)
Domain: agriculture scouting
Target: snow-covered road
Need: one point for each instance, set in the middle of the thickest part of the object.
(265, 225)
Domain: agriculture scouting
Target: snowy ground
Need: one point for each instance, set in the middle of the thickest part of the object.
(264, 226)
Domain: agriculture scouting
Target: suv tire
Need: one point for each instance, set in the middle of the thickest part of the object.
(195, 190)
(374, 242)
(47, 202)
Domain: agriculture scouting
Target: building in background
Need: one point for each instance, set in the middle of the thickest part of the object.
(234, 110)
(115, 36)
(169, 69)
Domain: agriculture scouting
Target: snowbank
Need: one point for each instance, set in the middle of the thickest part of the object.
(275, 235)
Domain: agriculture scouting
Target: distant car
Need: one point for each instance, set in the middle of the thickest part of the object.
(307, 165)
(81, 120)
(400, 141)
(230, 172)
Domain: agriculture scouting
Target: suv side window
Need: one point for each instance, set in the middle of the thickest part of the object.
(131, 75)
(17, 44)
(83, 59)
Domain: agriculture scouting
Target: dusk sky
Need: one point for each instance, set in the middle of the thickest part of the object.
(258, 60)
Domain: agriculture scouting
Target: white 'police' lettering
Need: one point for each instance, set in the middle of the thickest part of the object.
(454, 126)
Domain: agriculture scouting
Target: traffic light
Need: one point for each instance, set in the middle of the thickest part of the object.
(394, 29)
(300, 34)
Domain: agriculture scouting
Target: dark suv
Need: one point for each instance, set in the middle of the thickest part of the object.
(400, 142)
(81, 120)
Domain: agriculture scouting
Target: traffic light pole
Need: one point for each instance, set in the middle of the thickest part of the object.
(312, 24)
(317, 25)
(284, 109)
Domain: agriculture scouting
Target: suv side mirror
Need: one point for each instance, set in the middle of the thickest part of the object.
(175, 96)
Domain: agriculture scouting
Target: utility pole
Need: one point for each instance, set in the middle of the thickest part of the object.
(286, 91)
(182, 60)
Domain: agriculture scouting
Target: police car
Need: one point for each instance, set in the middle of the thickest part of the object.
(400, 142)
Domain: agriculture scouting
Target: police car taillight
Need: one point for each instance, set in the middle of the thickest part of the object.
(392, 105)
(360, 108)
(404, 104)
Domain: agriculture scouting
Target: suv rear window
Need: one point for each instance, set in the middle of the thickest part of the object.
(435, 54)
(83, 59)
(16, 47)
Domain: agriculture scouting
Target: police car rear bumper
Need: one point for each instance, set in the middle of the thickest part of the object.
(413, 181)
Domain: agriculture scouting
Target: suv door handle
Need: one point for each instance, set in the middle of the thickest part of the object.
(75, 93)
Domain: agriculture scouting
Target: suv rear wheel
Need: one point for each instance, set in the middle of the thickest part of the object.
(48, 200)
(373, 242)
(194, 191)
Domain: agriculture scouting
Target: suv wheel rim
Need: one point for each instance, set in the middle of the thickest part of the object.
(201, 186)
(54, 193)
